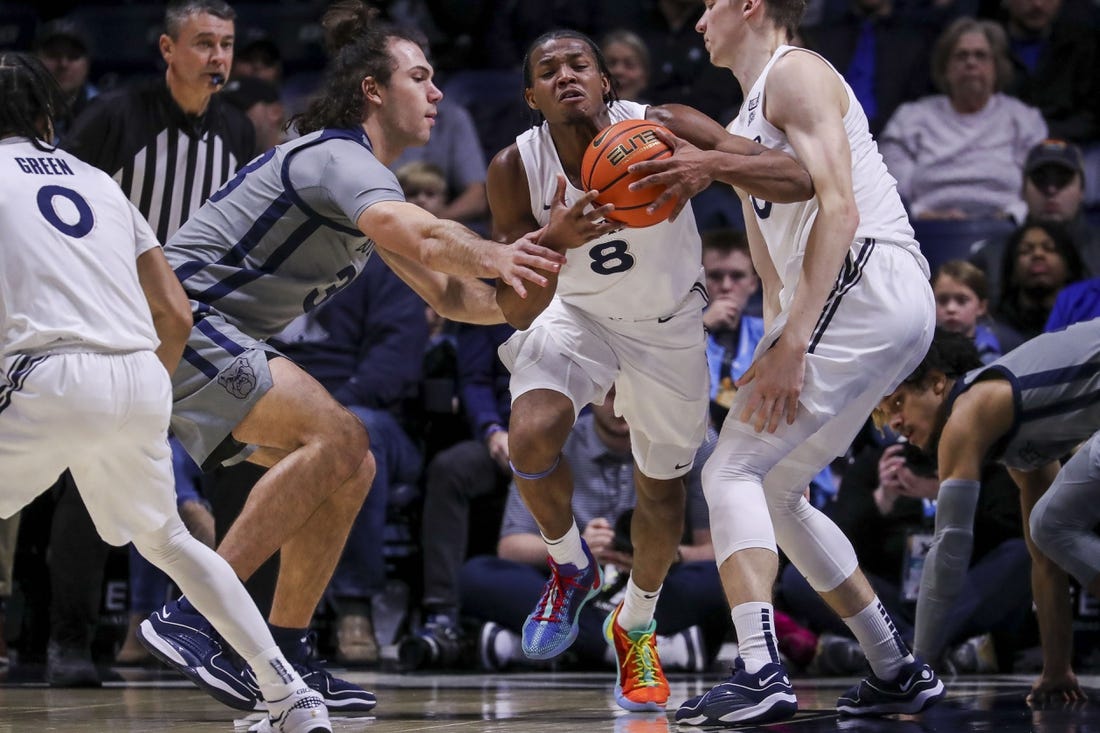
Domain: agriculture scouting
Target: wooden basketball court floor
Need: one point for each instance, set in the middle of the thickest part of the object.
(138, 701)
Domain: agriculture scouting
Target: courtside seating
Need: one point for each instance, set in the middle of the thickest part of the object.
(943, 240)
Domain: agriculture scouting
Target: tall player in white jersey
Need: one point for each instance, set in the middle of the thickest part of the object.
(93, 322)
(848, 313)
(626, 310)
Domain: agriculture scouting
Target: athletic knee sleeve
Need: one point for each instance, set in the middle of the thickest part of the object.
(739, 517)
(210, 584)
(816, 546)
(946, 564)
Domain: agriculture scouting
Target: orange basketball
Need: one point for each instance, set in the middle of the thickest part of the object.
(605, 165)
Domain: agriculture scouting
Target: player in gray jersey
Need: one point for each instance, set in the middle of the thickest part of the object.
(290, 230)
(1027, 410)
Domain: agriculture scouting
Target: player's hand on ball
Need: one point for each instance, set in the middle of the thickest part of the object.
(685, 173)
(572, 226)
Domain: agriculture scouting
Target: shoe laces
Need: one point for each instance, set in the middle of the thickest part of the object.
(559, 589)
(641, 658)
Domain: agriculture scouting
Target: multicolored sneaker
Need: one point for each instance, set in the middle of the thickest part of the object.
(640, 684)
(915, 689)
(552, 626)
(761, 697)
(183, 639)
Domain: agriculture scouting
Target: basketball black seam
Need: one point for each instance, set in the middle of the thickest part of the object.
(626, 173)
(587, 180)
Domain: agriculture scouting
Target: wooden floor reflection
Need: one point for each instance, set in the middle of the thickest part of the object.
(145, 700)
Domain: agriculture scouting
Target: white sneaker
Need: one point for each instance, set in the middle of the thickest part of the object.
(302, 711)
(683, 651)
(497, 647)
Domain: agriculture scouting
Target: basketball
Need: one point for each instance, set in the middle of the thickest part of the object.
(605, 164)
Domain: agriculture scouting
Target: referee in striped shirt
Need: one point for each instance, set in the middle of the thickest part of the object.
(169, 143)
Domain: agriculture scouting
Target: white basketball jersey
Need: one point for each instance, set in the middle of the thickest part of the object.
(786, 227)
(634, 274)
(69, 239)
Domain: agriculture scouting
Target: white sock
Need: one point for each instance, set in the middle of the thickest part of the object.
(638, 606)
(756, 642)
(566, 550)
(875, 631)
(276, 677)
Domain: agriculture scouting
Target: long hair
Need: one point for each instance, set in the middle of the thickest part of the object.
(358, 47)
(31, 99)
(601, 63)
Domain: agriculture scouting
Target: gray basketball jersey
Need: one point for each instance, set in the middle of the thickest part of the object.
(281, 237)
(1055, 380)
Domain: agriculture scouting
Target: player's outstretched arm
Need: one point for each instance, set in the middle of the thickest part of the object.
(454, 297)
(168, 303)
(449, 247)
(978, 419)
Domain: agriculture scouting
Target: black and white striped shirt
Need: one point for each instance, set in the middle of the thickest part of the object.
(167, 162)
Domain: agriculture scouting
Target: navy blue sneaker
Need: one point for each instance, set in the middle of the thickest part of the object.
(185, 641)
(761, 697)
(552, 626)
(340, 696)
(915, 689)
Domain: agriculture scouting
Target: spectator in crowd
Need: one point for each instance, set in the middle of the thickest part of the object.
(1040, 260)
(170, 143)
(960, 154)
(1054, 190)
(257, 55)
(365, 346)
(1056, 67)
(502, 589)
(259, 100)
(883, 58)
(628, 61)
(469, 471)
(9, 534)
(1076, 302)
(425, 185)
(63, 47)
(732, 335)
(962, 303)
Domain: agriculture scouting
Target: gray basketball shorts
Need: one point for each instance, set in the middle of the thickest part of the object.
(220, 378)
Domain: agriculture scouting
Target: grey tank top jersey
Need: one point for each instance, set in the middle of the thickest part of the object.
(1055, 379)
(281, 237)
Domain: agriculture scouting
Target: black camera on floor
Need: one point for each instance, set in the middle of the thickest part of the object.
(435, 647)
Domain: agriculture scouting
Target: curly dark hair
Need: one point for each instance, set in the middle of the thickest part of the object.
(953, 354)
(32, 99)
(358, 47)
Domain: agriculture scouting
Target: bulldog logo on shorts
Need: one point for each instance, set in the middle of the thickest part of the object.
(239, 379)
